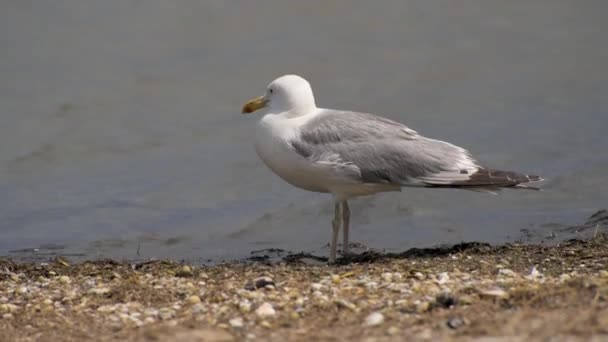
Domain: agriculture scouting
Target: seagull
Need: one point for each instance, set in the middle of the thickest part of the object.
(350, 154)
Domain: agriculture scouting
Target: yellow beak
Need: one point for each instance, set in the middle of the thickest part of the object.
(254, 104)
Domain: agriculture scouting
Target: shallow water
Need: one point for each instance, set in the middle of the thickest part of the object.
(121, 134)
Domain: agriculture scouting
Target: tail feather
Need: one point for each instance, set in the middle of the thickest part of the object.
(488, 179)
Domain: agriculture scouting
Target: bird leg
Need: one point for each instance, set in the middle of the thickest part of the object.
(345, 228)
(334, 234)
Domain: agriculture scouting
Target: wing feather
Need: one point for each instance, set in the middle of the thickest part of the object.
(383, 150)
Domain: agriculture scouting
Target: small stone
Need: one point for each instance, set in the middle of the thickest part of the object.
(52, 273)
(197, 309)
(47, 301)
(397, 277)
(64, 279)
(4, 308)
(184, 271)
(455, 322)
(194, 299)
(371, 285)
(603, 273)
(150, 312)
(266, 324)
(99, 290)
(259, 283)
(316, 286)
(375, 318)
(423, 307)
(14, 277)
(22, 290)
(495, 293)
(443, 278)
(343, 303)
(300, 301)
(237, 323)
(7, 316)
(245, 306)
(534, 274)
(166, 314)
(419, 275)
(393, 331)
(387, 277)
(506, 272)
(265, 310)
(106, 308)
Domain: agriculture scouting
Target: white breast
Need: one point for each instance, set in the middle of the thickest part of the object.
(273, 135)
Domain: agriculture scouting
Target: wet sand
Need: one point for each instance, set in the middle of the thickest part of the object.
(473, 290)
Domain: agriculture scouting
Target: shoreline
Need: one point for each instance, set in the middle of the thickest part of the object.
(468, 291)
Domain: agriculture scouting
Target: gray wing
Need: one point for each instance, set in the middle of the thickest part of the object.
(371, 149)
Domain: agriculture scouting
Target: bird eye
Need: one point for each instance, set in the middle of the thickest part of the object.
(271, 90)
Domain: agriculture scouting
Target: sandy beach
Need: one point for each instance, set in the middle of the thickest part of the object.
(469, 291)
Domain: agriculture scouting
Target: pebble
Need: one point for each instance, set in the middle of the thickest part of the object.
(343, 303)
(265, 310)
(423, 307)
(375, 318)
(166, 314)
(534, 274)
(236, 323)
(419, 275)
(245, 306)
(194, 299)
(99, 290)
(22, 290)
(443, 278)
(496, 293)
(387, 277)
(392, 331)
(506, 272)
(150, 312)
(197, 309)
(184, 271)
(455, 322)
(316, 286)
(4, 308)
(371, 285)
(259, 283)
(64, 279)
